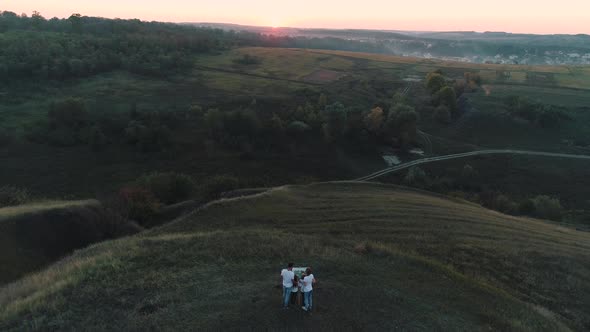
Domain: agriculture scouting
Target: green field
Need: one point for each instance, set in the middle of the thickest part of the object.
(385, 258)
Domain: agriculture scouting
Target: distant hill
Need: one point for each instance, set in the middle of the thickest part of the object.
(385, 258)
(467, 46)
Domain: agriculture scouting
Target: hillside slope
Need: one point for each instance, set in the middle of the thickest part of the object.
(386, 258)
(34, 235)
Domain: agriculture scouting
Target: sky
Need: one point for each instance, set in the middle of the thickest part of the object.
(519, 16)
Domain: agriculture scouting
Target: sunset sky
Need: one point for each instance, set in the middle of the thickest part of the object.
(531, 16)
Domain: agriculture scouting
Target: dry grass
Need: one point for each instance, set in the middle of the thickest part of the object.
(39, 207)
(386, 258)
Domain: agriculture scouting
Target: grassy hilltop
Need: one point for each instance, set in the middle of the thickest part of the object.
(386, 258)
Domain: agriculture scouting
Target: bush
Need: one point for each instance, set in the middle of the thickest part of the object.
(219, 184)
(527, 207)
(297, 128)
(503, 204)
(416, 177)
(12, 196)
(247, 59)
(138, 204)
(547, 207)
(168, 188)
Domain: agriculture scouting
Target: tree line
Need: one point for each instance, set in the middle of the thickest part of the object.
(34, 47)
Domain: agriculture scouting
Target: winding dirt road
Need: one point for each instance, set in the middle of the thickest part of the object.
(467, 154)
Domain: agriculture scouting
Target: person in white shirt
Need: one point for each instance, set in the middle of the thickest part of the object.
(308, 282)
(287, 276)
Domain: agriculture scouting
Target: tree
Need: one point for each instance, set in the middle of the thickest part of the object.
(435, 82)
(399, 98)
(335, 116)
(276, 126)
(416, 177)
(322, 101)
(374, 120)
(37, 19)
(76, 22)
(442, 114)
(474, 78)
(401, 123)
(547, 207)
(447, 97)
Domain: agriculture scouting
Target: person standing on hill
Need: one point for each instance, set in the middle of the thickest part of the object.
(287, 276)
(308, 282)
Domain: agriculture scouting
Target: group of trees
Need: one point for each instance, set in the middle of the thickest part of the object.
(396, 126)
(80, 46)
(467, 185)
(334, 123)
(445, 93)
(545, 116)
(146, 198)
(444, 97)
(70, 122)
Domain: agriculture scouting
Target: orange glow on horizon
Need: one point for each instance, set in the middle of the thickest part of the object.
(524, 16)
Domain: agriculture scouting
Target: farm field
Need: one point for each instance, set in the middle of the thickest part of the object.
(437, 263)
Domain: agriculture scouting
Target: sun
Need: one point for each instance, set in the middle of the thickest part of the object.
(275, 22)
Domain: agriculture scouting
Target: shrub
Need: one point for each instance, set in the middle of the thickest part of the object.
(219, 184)
(168, 188)
(297, 128)
(416, 177)
(11, 196)
(547, 207)
(527, 207)
(247, 59)
(138, 204)
(503, 204)
(362, 248)
(442, 184)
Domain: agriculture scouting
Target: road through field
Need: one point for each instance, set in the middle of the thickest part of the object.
(396, 168)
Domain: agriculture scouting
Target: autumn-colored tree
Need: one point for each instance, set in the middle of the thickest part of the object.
(374, 120)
